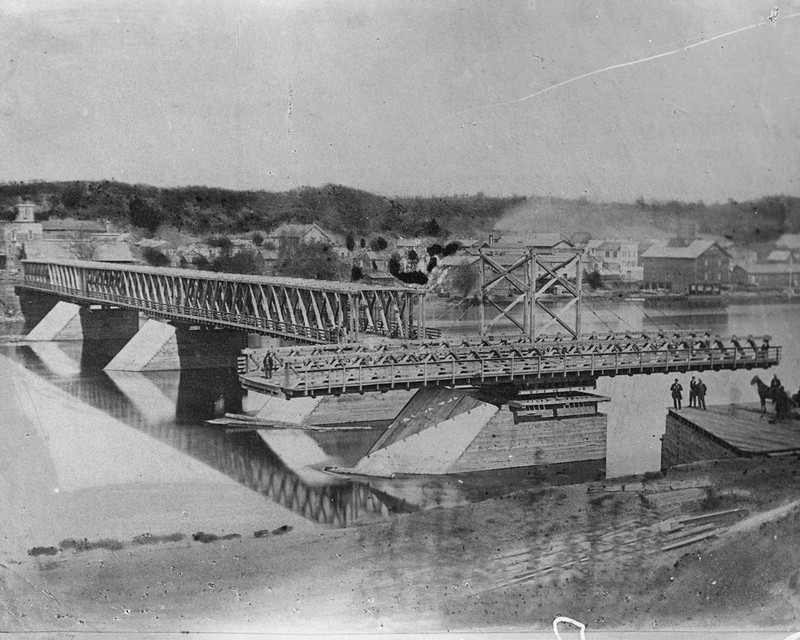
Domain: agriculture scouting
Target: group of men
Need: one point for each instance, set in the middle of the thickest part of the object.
(697, 394)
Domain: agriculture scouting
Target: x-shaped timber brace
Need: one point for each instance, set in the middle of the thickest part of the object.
(529, 277)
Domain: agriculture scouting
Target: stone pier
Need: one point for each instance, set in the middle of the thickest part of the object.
(443, 431)
(162, 347)
(103, 330)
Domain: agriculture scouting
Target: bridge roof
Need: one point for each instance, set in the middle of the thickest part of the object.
(305, 283)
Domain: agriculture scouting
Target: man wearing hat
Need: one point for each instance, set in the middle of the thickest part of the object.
(677, 396)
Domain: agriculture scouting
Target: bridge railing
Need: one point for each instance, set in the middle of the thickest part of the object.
(395, 331)
(331, 375)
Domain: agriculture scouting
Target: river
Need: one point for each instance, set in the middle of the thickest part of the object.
(636, 411)
(93, 455)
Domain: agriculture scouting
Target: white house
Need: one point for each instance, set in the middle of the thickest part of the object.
(617, 258)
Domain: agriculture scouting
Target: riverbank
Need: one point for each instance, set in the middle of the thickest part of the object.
(604, 554)
(636, 295)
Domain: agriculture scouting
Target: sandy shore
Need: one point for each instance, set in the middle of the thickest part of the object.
(513, 563)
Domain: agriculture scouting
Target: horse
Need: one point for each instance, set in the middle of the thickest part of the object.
(764, 392)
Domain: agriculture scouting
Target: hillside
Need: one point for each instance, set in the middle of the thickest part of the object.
(206, 210)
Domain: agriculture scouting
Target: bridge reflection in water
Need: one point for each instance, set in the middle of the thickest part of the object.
(172, 417)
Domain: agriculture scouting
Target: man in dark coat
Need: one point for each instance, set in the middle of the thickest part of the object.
(773, 388)
(781, 404)
(700, 391)
(268, 364)
(677, 396)
(693, 393)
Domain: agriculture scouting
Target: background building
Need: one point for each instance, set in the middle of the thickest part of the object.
(288, 237)
(23, 229)
(769, 275)
(684, 266)
(618, 258)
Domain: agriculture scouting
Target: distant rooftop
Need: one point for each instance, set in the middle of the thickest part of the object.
(694, 249)
(57, 250)
(762, 268)
(789, 241)
(292, 230)
(73, 225)
(779, 256)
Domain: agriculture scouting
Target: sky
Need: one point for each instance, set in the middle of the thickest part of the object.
(607, 100)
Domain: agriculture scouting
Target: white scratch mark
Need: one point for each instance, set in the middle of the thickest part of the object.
(613, 67)
(289, 112)
(45, 592)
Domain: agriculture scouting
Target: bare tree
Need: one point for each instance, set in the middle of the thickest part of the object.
(81, 245)
(465, 280)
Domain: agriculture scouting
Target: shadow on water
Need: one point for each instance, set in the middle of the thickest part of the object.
(186, 399)
(171, 407)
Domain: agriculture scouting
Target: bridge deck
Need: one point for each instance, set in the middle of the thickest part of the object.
(331, 371)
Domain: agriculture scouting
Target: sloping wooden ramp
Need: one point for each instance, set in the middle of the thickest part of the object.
(427, 407)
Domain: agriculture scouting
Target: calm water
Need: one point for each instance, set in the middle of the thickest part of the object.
(94, 455)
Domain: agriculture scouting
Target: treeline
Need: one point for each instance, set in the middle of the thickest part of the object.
(745, 222)
(206, 210)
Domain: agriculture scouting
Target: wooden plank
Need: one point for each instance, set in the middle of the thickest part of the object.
(504, 444)
(744, 430)
(692, 540)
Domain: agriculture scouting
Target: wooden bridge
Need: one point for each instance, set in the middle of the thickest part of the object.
(539, 363)
(311, 311)
(496, 401)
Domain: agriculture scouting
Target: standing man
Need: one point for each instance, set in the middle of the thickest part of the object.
(781, 404)
(693, 393)
(677, 396)
(700, 391)
(268, 365)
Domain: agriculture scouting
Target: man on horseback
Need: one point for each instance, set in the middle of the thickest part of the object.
(774, 386)
(765, 392)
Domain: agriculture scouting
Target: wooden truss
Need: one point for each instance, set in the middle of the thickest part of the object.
(529, 279)
(355, 368)
(305, 310)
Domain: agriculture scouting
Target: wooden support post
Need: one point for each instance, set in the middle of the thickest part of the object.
(355, 313)
(530, 277)
(579, 287)
(421, 318)
(483, 296)
(534, 286)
